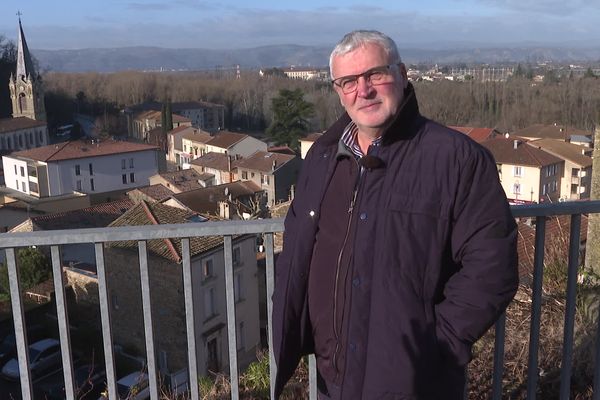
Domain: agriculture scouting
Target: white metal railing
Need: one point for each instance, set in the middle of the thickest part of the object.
(267, 228)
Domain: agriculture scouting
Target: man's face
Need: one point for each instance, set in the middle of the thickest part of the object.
(371, 107)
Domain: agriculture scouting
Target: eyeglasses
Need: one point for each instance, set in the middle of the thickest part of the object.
(374, 76)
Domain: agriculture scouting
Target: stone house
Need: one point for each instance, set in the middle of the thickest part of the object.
(166, 291)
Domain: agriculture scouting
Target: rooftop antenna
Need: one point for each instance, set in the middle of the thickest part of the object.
(19, 13)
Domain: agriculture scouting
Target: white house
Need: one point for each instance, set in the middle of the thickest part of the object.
(82, 166)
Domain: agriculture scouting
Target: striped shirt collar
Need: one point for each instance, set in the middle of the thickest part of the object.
(350, 140)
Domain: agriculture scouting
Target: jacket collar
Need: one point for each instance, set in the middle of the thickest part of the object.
(400, 128)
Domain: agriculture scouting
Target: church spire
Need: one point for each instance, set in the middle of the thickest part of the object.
(26, 89)
(24, 62)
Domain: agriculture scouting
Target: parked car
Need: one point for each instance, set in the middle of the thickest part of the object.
(8, 345)
(90, 379)
(44, 357)
(132, 387)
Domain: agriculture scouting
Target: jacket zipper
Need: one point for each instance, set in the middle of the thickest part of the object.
(337, 272)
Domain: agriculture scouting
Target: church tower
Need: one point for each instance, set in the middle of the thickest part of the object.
(26, 90)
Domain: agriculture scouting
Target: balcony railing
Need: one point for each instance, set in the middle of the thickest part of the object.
(267, 228)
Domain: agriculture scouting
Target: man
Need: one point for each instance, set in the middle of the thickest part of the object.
(399, 249)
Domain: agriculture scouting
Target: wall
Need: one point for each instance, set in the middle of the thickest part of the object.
(107, 172)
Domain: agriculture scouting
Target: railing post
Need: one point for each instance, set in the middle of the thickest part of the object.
(109, 355)
(19, 322)
(567, 359)
(499, 338)
(270, 277)
(231, 324)
(536, 307)
(63, 323)
(148, 325)
(188, 291)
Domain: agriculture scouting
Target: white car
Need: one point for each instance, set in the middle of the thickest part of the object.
(132, 387)
(44, 358)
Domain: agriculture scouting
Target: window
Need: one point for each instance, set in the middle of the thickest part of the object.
(124, 178)
(92, 184)
(238, 294)
(517, 188)
(123, 163)
(236, 257)
(210, 309)
(517, 171)
(544, 189)
(24, 186)
(251, 174)
(78, 186)
(77, 170)
(16, 172)
(131, 177)
(553, 186)
(574, 189)
(91, 169)
(22, 171)
(17, 184)
(244, 174)
(207, 268)
(131, 163)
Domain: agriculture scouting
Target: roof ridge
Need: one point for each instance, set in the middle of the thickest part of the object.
(64, 144)
(167, 241)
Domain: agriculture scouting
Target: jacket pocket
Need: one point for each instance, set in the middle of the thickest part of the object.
(417, 205)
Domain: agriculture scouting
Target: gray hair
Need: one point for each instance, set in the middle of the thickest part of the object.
(355, 39)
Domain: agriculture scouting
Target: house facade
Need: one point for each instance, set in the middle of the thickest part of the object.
(577, 176)
(166, 292)
(527, 174)
(81, 166)
(275, 173)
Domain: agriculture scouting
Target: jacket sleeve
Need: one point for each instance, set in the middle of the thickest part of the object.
(483, 245)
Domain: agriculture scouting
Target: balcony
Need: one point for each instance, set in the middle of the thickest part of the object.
(267, 228)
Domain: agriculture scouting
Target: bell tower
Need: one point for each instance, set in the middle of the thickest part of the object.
(26, 91)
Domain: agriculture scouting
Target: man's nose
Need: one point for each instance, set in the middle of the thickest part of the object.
(364, 87)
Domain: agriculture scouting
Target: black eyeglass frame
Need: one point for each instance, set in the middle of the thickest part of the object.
(367, 75)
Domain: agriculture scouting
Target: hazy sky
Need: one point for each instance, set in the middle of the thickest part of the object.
(72, 24)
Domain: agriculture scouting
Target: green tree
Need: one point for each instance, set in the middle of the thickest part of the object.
(291, 114)
(34, 268)
(589, 73)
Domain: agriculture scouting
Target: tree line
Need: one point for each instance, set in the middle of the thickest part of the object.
(510, 105)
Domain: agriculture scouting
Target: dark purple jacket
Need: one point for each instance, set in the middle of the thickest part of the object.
(443, 260)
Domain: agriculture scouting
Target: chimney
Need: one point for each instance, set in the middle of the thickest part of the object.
(515, 144)
(274, 165)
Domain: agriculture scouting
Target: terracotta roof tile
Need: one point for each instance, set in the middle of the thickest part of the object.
(214, 160)
(504, 152)
(226, 139)
(184, 180)
(549, 132)
(196, 135)
(158, 214)
(81, 149)
(155, 192)
(264, 161)
(97, 216)
(312, 137)
(567, 151)
(15, 124)
(477, 134)
(205, 200)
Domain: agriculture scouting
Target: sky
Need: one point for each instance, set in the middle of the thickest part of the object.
(76, 24)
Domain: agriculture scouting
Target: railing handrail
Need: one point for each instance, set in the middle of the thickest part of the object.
(140, 232)
(234, 227)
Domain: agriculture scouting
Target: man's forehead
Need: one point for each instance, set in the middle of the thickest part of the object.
(368, 54)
